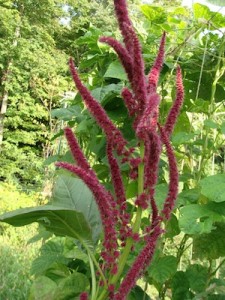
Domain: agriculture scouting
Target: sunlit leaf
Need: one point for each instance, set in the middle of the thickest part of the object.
(163, 268)
(196, 219)
(60, 221)
(210, 245)
(115, 70)
(213, 187)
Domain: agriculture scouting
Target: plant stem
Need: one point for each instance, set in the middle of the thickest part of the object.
(95, 263)
(93, 279)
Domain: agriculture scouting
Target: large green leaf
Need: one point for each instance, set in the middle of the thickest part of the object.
(71, 193)
(51, 252)
(43, 288)
(196, 219)
(203, 12)
(103, 94)
(115, 70)
(197, 276)
(172, 227)
(154, 14)
(59, 220)
(163, 268)
(138, 293)
(72, 286)
(211, 245)
(180, 287)
(66, 114)
(213, 187)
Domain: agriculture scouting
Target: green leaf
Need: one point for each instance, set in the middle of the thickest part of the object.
(51, 252)
(163, 268)
(43, 288)
(172, 227)
(210, 124)
(59, 220)
(188, 196)
(154, 14)
(201, 12)
(223, 128)
(138, 293)
(183, 138)
(180, 286)
(103, 94)
(76, 253)
(197, 219)
(70, 192)
(211, 245)
(72, 286)
(213, 187)
(132, 190)
(66, 114)
(115, 70)
(161, 191)
(197, 276)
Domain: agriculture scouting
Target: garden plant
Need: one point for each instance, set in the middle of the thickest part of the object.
(114, 228)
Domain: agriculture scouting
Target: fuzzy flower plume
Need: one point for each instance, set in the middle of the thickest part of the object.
(76, 151)
(139, 265)
(153, 76)
(175, 110)
(173, 176)
(98, 112)
(84, 296)
(142, 102)
(122, 53)
(123, 20)
(122, 217)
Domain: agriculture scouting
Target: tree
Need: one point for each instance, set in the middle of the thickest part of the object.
(29, 61)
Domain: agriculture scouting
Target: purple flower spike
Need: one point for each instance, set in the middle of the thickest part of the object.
(122, 53)
(75, 150)
(84, 296)
(129, 100)
(123, 20)
(175, 110)
(152, 157)
(138, 83)
(173, 176)
(97, 111)
(117, 182)
(147, 123)
(153, 76)
(139, 265)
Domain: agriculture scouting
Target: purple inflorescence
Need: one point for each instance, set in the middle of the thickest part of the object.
(142, 102)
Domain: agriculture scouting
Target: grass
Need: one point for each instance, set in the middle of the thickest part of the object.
(16, 254)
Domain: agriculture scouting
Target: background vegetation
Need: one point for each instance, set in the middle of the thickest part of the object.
(36, 102)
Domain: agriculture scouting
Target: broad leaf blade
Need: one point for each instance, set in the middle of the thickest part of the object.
(197, 219)
(213, 187)
(72, 193)
(163, 268)
(59, 220)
